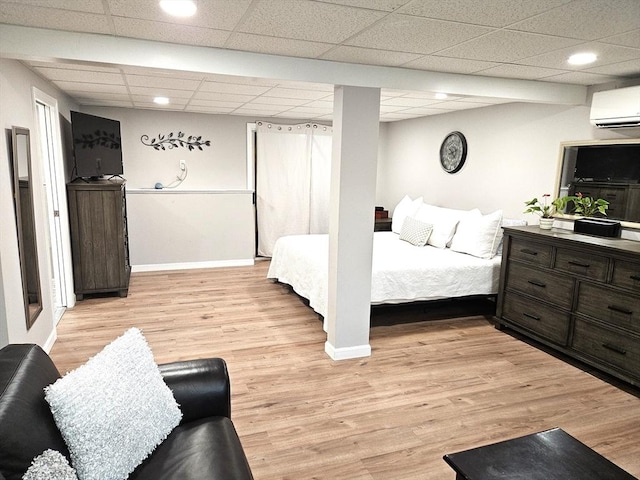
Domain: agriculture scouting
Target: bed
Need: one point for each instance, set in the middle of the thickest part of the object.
(401, 272)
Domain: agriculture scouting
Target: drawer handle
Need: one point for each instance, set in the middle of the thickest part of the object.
(615, 308)
(635, 277)
(533, 317)
(529, 252)
(537, 283)
(578, 264)
(614, 348)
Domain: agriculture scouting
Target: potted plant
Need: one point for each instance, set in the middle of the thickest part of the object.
(546, 209)
(587, 206)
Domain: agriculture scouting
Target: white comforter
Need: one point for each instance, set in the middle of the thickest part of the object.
(401, 272)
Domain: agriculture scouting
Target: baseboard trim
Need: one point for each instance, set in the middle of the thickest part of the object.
(48, 344)
(345, 353)
(192, 265)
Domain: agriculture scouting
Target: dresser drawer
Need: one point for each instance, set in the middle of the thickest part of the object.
(541, 284)
(607, 346)
(530, 252)
(614, 308)
(584, 264)
(626, 275)
(547, 322)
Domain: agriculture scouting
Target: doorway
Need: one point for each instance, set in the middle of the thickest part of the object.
(49, 142)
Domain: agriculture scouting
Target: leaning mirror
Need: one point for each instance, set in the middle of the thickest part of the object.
(608, 169)
(23, 201)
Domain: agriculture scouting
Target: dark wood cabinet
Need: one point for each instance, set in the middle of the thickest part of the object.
(99, 242)
(576, 293)
(623, 198)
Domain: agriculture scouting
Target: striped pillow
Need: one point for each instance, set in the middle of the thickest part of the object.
(415, 232)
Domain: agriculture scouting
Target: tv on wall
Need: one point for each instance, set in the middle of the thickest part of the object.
(97, 146)
(608, 163)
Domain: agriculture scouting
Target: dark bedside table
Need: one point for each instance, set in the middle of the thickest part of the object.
(382, 225)
(548, 455)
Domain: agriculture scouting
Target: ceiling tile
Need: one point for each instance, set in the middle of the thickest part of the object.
(606, 54)
(579, 78)
(264, 82)
(160, 92)
(630, 68)
(291, 102)
(90, 87)
(148, 100)
(495, 13)
(383, 5)
(90, 6)
(225, 97)
(404, 33)
(208, 110)
(408, 102)
(106, 103)
(21, 14)
(583, 19)
(449, 64)
(629, 39)
(276, 46)
(86, 96)
(214, 14)
(198, 102)
(233, 88)
(160, 72)
(306, 20)
(168, 32)
(420, 111)
(291, 93)
(507, 46)
(520, 71)
(455, 105)
(368, 56)
(81, 75)
(162, 82)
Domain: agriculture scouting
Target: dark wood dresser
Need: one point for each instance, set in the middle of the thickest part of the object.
(99, 241)
(576, 293)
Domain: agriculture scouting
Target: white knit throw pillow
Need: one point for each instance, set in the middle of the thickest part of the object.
(114, 410)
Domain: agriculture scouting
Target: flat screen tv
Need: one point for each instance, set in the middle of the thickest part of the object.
(608, 163)
(97, 146)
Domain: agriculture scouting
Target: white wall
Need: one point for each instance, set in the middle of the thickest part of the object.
(512, 156)
(16, 83)
(207, 220)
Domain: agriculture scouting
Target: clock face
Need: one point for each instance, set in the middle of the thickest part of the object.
(453, 152)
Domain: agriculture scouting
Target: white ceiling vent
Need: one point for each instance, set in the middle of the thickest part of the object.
(616, 108)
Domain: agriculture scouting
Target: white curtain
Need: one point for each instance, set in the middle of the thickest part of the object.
(293, 169)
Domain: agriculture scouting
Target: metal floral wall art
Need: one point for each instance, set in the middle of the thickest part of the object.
(169, 142)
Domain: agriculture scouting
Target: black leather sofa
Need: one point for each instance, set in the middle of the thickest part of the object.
(204, 446)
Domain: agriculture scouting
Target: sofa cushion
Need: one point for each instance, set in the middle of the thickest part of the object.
(27, 427)
(114, 410)
(207, 448)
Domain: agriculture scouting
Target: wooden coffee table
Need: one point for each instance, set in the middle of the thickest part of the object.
(548, 455)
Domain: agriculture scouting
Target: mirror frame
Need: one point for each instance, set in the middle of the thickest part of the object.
(30, 279)
(578, 143)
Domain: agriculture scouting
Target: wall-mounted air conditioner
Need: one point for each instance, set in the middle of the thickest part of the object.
(616, 108)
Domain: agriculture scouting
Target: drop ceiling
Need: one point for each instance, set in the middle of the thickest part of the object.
(501, 39)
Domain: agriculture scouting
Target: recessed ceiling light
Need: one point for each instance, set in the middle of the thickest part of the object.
(441, 96)
(179, 8)
(582, 58)
(161, 100)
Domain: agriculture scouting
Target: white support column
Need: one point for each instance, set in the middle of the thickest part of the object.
(353, 183)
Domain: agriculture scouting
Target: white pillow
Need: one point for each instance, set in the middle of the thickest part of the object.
(479, 236)
(114, 410)
(405, 208)
(415, 232)
(50, 465)
(444, 221)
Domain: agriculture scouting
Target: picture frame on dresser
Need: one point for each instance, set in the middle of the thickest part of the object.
(575, 293)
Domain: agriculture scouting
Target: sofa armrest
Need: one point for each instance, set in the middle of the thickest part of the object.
(201, 387)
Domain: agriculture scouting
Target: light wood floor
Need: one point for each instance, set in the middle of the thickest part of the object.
(429, 388)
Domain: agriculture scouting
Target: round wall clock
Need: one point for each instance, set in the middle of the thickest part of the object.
(453, 152)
